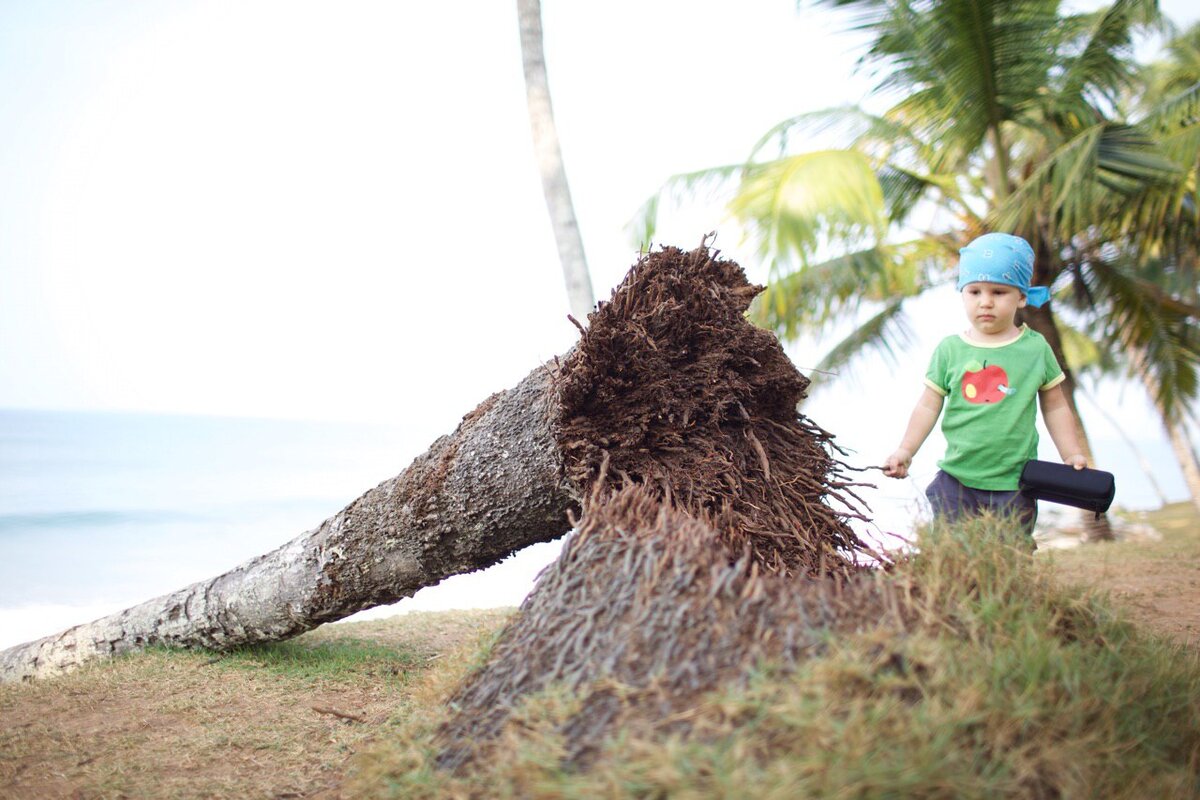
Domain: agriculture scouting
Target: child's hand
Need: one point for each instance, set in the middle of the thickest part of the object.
(896, 465)
(1077, 461)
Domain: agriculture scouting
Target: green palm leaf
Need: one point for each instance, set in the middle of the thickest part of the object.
(1176, 111)
(1102, 69)
(701, 184)
(846, 123)
(1141, 318)
(1093, 173)
(885, 333)
(795, 204)
(816, 295)
(965, 67)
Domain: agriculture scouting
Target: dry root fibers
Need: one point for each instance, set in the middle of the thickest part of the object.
(714, 530)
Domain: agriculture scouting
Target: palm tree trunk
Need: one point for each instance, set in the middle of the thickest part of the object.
(1186, 455)
(1175, 428)
(550, 162)
(1001, 163)
(476, 496)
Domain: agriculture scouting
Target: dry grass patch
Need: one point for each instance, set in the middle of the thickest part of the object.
(190, 724)
(1157, 583)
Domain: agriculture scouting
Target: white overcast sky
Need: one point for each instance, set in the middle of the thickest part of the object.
(331, 210)
(320, 210)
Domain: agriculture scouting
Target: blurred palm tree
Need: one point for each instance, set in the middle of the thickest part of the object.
(1161, 233)
(550, 162)
(1002, 115)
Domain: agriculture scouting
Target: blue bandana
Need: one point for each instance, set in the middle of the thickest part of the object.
(1001, 258)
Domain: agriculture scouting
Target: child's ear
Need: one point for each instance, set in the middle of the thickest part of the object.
(1024, 299)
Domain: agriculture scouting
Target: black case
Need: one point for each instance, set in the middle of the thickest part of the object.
(1091, 489)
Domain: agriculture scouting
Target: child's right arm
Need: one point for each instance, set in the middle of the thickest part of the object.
(924, 417)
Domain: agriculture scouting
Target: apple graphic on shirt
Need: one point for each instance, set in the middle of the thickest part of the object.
(984, 384)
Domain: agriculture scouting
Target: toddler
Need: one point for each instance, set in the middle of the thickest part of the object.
(988, 377)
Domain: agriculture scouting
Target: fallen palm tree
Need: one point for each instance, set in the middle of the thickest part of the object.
(670, 389)
(476, 496)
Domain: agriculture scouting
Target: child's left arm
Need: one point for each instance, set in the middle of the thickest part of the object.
(1060, 422)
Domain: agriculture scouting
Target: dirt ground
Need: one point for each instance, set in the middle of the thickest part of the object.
(283, 725)
(264, 725)
(1153, 576)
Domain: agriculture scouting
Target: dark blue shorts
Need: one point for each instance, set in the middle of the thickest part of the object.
(951, 501)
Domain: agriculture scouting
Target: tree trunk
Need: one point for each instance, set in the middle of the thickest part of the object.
(1186, 454)
(476, 496)
(1175, 428)
(670, 388)
(1042, 320)
(550, 162)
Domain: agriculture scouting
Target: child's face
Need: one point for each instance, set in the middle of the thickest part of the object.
(992, 307)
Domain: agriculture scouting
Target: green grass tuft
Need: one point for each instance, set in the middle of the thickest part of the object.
(341, 660)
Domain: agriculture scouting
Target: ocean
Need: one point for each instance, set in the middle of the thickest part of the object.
(100, 511)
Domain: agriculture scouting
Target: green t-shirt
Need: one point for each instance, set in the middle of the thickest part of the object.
(991, 409)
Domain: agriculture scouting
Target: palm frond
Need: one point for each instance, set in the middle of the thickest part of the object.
(794, 205)
(1103, 67)
(1081, 350)
(698, 185)
(813, 296)
(1179, 69)
(904, 188)
(1091, 175)
(1127, 161)
(1139, 319)
(886, 333)
(965, 67)
(1182, 145)
(1176, 111)
(846, 123)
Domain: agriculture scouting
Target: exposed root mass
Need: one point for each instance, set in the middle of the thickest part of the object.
(714, 532)
(672, 388)
(642, 614)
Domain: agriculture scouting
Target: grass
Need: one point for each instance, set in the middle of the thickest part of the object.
(1013, 676)
(278, 720)
(1005, 684)
(342, 660)
(1157, 583)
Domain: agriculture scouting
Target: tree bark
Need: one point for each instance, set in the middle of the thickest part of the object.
(1175, 427)
(550, 162)
(495, 485)
(1186, 455)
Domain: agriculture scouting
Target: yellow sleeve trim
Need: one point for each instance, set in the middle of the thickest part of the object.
(1050, 384)
(937, 388)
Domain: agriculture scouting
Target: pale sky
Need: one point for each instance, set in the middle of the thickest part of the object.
(288, 208)
(311, 210)
(331, 211)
